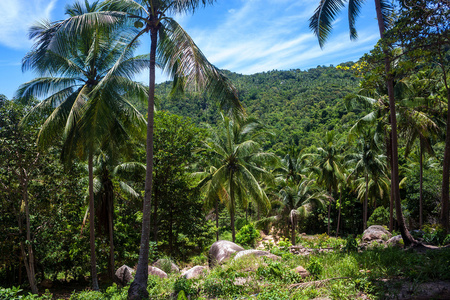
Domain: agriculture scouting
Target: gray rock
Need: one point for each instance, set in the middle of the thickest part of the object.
(396, 241)
(124, 275)
(256, 253)
(222, 250)
(195, 272)
(157, 272)
(302, 271)
(376, 232)
(162, 262)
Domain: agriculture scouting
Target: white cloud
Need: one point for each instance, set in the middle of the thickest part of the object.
(16, 16)
(262, 35)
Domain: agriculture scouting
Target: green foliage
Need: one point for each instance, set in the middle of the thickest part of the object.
(186, 286)
(10, 293)
(351, 244)
(435, 235)
(315, 266)
(380, 216)
(247, 235)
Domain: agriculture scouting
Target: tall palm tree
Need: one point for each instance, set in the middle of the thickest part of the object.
(241, 165)
(321, 23)
(173, 50)
(108, 170)
(211, 197)
(417, 124)
(328, 168)
(86, 117)
(299, 198)
(368, 163)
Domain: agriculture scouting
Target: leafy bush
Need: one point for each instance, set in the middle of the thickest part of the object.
(315, 267)
(351, 244)
(184, 285)
(13, 294)
(434, 235)
(380, 216)
(248, 235)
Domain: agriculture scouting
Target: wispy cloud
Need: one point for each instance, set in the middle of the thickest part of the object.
(16, 16)
(262, 35)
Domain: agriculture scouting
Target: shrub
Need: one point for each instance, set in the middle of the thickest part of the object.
(248, 235)
(315, 267)
(184, 285)
(380, 216)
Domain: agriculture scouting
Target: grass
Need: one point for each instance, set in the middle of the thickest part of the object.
(337, 275)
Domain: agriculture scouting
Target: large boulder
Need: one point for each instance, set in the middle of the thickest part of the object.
(124, 275)
(376, 233)
(222, 250)
(156, 271)
(164, 263)
(195, 272)
(257, 253)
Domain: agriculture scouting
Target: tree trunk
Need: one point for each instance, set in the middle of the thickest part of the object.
(421, 185)
(138, 288)
(407, 238)
(446, 163)
(217, 219)
(339, 213)
(28, 256)
(155, 215)
(329, 214)
(111, 233)
(92, 224)
(366, 194)
(232, 208)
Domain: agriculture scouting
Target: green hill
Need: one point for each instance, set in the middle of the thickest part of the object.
(298, 106)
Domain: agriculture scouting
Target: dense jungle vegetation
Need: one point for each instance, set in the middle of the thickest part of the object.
(93, 178)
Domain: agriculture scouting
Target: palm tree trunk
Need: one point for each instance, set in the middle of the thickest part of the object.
(217, 219)
(339, 213)
(329, 213)
(111, 233)
(446, 163)
(28, 257)
(92, 223)
(366, 194)
(407, 238)
(138, 288)
(421, 186)
(232, 208)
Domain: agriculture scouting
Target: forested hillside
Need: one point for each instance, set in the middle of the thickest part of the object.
(297, 105)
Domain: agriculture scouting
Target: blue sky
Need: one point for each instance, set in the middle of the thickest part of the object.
(243, 36)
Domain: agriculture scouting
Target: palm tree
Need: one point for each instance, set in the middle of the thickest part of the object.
(211, 197)
(321, 23)
(369, 163)
(415, 124)
(299, 198)
(241, 165)
(173, 50)
(86, 117)
(106, 170)
(328, 168)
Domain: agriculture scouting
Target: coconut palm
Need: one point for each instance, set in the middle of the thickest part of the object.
(87, 118)
(328, 168)
(107, 169)
(297, 199)
(415, 124)
(321, 23)
(173, 50)
(241, 165)
(211, 198)
(368, 163)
